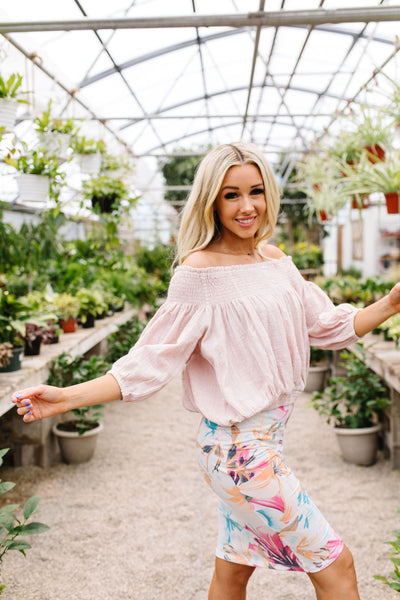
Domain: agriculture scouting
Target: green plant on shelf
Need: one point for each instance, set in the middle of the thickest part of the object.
(13, 526)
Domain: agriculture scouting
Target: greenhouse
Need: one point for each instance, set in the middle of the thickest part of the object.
(199, 205)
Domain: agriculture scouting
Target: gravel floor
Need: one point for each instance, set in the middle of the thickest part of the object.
(139, 523)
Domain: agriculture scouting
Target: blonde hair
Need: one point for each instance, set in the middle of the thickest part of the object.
(198, 224)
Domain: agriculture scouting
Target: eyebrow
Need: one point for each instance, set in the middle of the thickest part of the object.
(235, 187)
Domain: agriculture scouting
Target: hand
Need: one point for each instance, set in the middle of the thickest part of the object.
(39, 402)
(394, 297)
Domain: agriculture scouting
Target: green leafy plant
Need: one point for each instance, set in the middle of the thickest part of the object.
(9, 87)
(319, 356)
(355, 400)
(126, 336)
(66, 370)
(11, 310)
(13, 526)
(66, 306)
(83, 145)
(393, 579)
(105, 192)
(91, 302)
(47, 124)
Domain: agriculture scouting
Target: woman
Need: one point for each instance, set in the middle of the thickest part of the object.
(238, 321)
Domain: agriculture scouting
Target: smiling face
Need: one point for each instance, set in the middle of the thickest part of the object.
(241, 204)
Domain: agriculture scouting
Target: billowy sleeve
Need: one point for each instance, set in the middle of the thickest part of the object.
(162, 350)
(329, 327)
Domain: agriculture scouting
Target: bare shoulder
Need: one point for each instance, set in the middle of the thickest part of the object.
(271, 251)
(200, 259)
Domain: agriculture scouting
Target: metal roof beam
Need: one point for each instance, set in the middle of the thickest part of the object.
(279, 18)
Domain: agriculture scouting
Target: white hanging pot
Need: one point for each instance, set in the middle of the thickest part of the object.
(33, 188)
(8, 113)
(90, 163)
(55, 143)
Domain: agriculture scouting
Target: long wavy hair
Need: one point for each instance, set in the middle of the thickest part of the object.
(199, 222)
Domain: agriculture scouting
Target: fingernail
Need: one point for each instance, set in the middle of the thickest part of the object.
(29, 412)
(29, 407)
(18, 395)
(27, 402)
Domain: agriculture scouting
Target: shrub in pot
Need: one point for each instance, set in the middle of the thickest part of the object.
(11, 309)
(353, 403)
(91, 305)
(77, 436)
(318, 369)
(67, 308)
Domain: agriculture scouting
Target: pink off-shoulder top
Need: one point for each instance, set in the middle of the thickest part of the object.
(239, 334)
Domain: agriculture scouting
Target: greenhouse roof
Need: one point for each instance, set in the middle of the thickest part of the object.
(162, 77)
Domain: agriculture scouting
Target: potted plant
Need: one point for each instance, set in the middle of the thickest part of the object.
(77, 436)
(13, 525)
(91, 305)
(105, 193)
(353, 403)
(10, 96)
(67, 308)
(89, 152)
(39, 174)
(54, 134)
(318, 369)
(381, 177)
(11, 309)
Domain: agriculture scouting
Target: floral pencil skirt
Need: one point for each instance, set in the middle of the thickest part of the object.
(266, 518)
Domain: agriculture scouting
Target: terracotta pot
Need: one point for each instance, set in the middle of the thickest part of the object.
(392, 203)
(375, 153)
(364, 202)
(68, 326)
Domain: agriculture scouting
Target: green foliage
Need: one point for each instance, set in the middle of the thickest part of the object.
(350, 288)
(66, 370)
(352, 401)
(11, 310)
(13, 526)
(47, 124)
(180, 170)
(83, 145)
(9, 88)
(157, 261)
(318, 356)
(393, 579)
(91, 302)
(120, 342)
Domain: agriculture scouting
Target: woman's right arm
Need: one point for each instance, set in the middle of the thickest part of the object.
(43, 401)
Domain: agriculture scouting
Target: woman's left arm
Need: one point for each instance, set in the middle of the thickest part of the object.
(370, 317)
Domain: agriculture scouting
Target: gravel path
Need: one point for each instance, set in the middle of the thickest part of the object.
(139, 523)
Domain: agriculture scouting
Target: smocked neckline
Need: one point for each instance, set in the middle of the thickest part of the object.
(224, 268)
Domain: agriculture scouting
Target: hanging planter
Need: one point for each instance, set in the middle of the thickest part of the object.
(33, 188)
(8, 113)
(90, 163)
(392, 202)
(360, 202)
(54, 143)
(375, 153)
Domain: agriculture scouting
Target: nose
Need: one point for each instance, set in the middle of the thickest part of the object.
(246, 204)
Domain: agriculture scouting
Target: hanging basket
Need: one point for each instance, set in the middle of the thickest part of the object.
(392, 203)
(8, 113)
(33, 188)
(375, 153)
(360, 202)
(55, 143)
(90, 163)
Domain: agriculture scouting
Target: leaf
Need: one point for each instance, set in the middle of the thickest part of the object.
(3, 452)
(5, 486)
(17, 545)
(8, 509)
(33, 528)
(7, 522)
(30, 506)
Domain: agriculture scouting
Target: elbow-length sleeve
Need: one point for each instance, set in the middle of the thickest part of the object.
(329, 327)
(162, 350)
